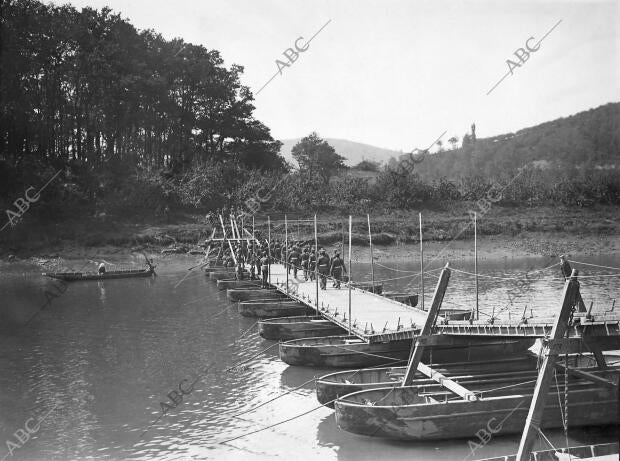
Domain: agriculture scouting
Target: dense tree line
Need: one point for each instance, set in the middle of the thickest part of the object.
(87, 92)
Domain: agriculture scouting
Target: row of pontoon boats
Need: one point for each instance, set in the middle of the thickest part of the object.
(499, 375)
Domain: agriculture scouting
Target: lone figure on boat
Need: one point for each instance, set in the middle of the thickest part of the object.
(101, 269)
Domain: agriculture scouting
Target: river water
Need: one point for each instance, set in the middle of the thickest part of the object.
(97, 359)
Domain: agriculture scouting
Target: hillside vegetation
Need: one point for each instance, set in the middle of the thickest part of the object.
(121, 125)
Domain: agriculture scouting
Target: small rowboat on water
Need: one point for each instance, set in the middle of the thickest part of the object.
(338, 384)
(287, 328)
(225, 273)
(405, 298)
(248, 294)
(225, 284)
(269, 308)
(122, 274)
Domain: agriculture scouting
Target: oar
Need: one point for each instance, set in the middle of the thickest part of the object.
(202, 264)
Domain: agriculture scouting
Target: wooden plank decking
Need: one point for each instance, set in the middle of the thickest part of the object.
(378, 319)
(375, 318)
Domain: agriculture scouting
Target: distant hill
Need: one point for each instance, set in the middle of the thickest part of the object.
(589, 139)
(354, 152)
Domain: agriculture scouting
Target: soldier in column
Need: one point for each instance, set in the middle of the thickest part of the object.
(305, 262)
(324, 263)
(293, 258)
(312, 263)
(264, 266)
(337, 269)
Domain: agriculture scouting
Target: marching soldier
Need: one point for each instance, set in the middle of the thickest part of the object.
(264, 266)
(253, 263)
(337, 269)
(324, 263)
(305, 262)
(293, 259)
(312, 263)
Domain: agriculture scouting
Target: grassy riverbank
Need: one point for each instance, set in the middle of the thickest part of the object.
(538, 231)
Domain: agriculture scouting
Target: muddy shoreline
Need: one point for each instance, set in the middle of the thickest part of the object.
(503, 232)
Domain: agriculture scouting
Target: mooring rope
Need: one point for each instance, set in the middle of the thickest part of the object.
(504, 387)
(505, 278)
(557, 388)
(382, 365)
(385, 396)
(245, 332)
(363, 353)
(396, 270)
(251, 358)
(276, 424)
(275, 398)
(546, 439)
(595, 265)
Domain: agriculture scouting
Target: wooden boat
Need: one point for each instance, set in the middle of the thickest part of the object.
(367, 286)
(420, 413)
(596, 452)
(224, 284)
(218, 268)
(269, 308)
(405, 298)
(78, 276)
(287, 328)
(378, 288)
(223, 273)
(249, 294)
(334, 385)
(455, 314)
(352, 352)
(412, 300)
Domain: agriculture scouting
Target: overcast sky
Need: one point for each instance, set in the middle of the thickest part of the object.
(397, 73)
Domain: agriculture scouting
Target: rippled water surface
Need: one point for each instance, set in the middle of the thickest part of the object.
(99, 358)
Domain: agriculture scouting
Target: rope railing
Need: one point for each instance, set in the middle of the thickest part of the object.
(395, 270)
(506, 278)
(595, 265)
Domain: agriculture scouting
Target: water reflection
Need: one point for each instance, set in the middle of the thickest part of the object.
(108, 353)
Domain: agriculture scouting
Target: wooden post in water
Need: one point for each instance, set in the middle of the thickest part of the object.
(350, 281)
(316, 264)
(232, 252)
(419, 342)
(269, 248)
(372, 260)
(421, 262)
(244, 253)
(545, 375)
(476, 261)
(253, 239)
(232, 226)
(286, 250)
(343, 232)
